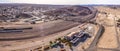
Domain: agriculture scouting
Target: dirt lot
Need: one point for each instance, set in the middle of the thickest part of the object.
(39, 29)
(109, 37)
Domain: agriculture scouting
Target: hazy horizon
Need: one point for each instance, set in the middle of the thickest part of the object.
(64, 2)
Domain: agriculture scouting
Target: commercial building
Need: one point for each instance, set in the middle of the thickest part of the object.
(75, 37)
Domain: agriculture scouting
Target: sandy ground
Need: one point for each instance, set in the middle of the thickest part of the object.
(109, 37)
(39, 29)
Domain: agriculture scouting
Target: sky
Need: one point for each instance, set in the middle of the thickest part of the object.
(63, 2)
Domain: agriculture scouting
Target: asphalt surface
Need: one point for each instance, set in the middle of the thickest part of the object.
(96, 39)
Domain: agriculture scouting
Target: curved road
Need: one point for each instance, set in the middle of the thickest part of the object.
(96, 39)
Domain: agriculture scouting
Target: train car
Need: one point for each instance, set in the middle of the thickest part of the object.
(10, 31)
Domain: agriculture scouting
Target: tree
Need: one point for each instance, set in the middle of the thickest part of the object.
(59, 39)
(63, 40)
(51, 42)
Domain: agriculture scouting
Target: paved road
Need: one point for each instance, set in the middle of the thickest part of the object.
(96, 39)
